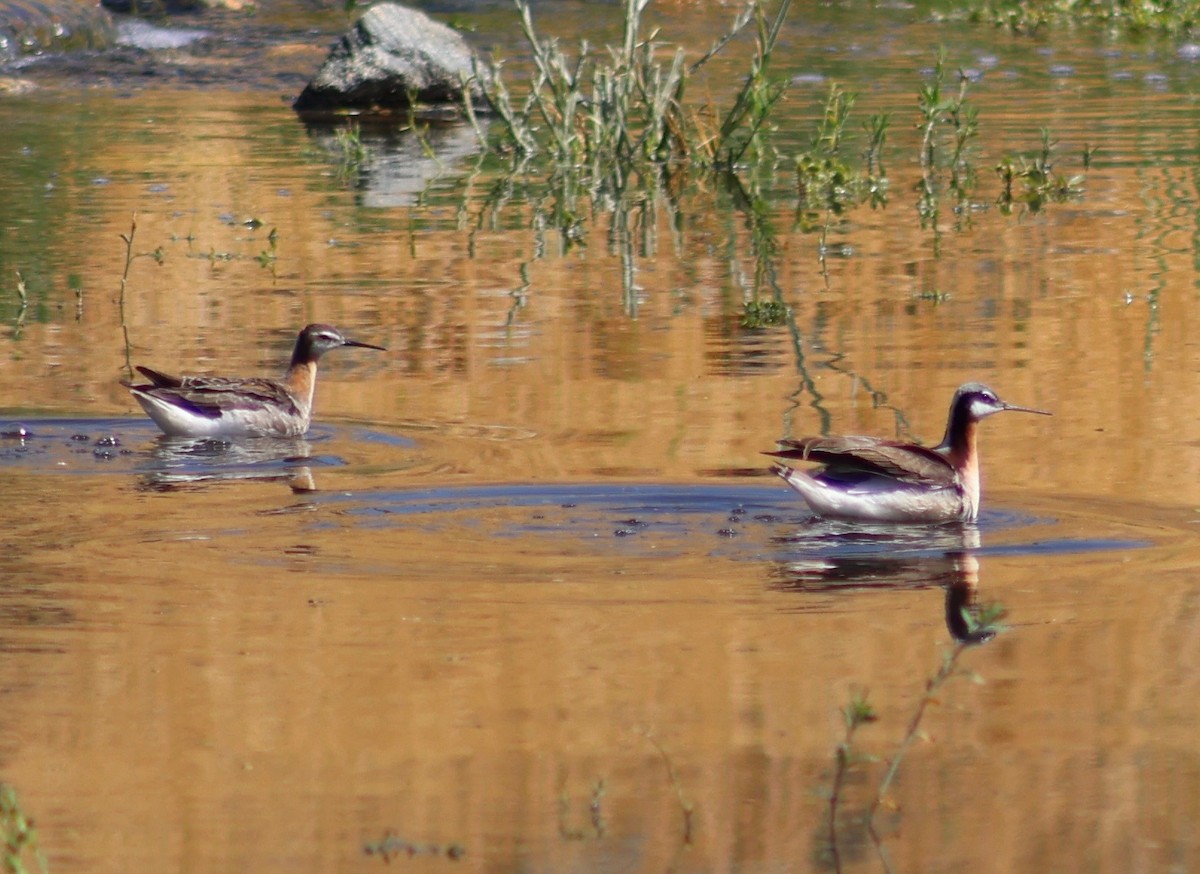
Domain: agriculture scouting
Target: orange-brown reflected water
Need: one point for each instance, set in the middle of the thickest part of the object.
(526, 597)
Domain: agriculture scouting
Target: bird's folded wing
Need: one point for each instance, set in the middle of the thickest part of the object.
(214, 395)
(905, 462)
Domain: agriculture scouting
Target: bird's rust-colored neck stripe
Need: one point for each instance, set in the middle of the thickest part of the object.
(961, 443)
(301, 379)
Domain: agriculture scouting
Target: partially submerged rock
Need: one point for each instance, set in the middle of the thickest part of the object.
(392, 57)
(30, 27)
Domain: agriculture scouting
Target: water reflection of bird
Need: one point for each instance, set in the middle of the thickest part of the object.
(218, 406)
(877, 480)
(838, 557)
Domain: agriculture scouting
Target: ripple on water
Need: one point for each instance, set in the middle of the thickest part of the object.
(750, 520)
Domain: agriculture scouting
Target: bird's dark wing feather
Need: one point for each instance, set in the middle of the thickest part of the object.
(905, 462)
(158, 378)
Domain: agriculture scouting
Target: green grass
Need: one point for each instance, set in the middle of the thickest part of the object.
(615, 140)
(615, 123)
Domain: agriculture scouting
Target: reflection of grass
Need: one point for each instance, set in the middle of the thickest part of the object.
(18, 835)
(685, 807)
(983, 624)
(348, 148)
(596, 824)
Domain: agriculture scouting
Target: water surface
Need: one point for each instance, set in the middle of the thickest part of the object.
(527, 597)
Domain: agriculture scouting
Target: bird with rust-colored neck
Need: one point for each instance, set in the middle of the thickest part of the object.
(875, 480)
(219, 406)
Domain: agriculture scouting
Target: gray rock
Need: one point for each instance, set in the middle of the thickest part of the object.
(392, 52)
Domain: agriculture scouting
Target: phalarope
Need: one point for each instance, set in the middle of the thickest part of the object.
(218, 406)
(877, 480)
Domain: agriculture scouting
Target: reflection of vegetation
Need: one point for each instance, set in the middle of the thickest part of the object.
(1040, 183)
(686, 807)
(855, 714)
(1028, 16)
(596, 825)
(18, 835)
(983, 623)
(348, 148)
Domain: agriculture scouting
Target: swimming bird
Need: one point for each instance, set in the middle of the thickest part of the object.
(219, 406)
(876, 480)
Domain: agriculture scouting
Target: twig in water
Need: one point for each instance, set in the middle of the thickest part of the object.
(130, 256)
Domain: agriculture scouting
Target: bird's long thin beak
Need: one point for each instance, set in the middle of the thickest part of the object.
(364, 345)
(1014, 408)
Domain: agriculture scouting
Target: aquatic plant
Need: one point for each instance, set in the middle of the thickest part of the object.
(268, 257)
(23, 301)
(618, 123)
(1040, 182)
(18, 835)
(825, 179)
(940, 110)
(982, 623)
(131, 256)
(827, 184)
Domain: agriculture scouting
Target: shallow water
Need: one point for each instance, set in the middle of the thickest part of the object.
(527, 596)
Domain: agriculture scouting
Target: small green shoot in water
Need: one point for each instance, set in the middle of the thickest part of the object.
(940, 111)
(18, 835)
(1040, 183)
(827, 185)
(267, 257)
